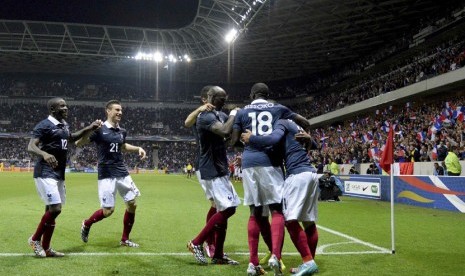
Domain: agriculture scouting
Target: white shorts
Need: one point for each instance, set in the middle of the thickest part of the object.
(107, 190)
(300, 196)
(262, 185)
(238, 172)
(203, 185)
(223, 193)
(50, 190)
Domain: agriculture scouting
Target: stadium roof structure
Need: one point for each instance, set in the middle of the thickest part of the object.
(276, 40)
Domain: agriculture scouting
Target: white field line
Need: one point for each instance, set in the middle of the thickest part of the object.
(380, 249)
(320, 250)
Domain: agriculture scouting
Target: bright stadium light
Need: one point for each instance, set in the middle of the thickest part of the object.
(138, 56)
(158, 57)
(231, 36)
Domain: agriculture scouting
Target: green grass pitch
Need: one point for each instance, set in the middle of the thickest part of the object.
(354, 234)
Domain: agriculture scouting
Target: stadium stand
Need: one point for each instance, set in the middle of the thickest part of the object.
(420, 124)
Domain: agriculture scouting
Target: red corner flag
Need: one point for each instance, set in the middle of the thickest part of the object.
(387, 158)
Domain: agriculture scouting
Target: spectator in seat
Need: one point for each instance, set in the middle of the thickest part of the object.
(438, 170)
(373, 169)
(353, 170)
(442, 151)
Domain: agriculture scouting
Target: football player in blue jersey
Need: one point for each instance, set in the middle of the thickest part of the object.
(300, 193)
(113, 175)
(209, 244)
(262, 175)
(49, 141)
(213, 127)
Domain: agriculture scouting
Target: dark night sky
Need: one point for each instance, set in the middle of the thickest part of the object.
(134, 13)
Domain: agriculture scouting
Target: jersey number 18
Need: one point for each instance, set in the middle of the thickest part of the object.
(261, 123)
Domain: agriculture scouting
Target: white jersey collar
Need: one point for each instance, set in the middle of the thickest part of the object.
(109, 125)
(55, 121)
(259, 101)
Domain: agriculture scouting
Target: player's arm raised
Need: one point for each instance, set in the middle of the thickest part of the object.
(191, 118)
(235, 135)
(81, 137)
(302, 122)
(224, 130)
(307, 140)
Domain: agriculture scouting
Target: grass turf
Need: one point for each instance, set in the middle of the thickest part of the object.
(172, 211)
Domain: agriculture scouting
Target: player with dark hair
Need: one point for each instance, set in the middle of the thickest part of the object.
(300, 193)
(49, 141)
(213, 127)
(209, 245)
(113, 174)
(262, 176)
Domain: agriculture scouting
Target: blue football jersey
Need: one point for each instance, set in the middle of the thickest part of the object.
(296, 158)
(259, 117)
(213, 161)
(53, 136)
(109, 141)
(283, 139)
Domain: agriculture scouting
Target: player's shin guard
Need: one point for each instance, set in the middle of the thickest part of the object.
(299, 238)
(277, 233)
(253, 235)
(47, 219)
(220, 231)
(312, 238)
(211, 238)
(265, 231)
(96, 217)
(47, 236)
(128, 222)
(219, 218)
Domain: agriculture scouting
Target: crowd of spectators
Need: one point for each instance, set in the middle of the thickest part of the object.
(137, 120)
(427, 65)
(357, 81)
(329, 93)
(172, 156)
(424, 131)
(89, 88)
(169, 121)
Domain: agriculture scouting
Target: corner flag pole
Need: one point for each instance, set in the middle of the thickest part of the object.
(393, 246)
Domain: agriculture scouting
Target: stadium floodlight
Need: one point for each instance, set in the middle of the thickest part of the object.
(138, 56)
(158, 57)
(172, 58)
(231, 36)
